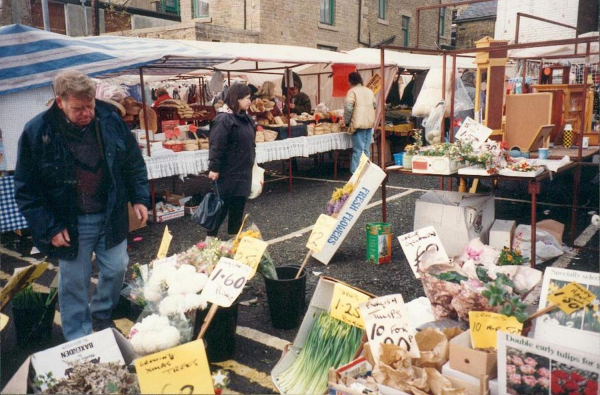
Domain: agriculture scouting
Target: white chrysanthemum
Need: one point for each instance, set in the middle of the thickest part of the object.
(153, 334)
(186, 281)
(181, 303)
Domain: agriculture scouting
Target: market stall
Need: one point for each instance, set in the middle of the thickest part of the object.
(470, 145)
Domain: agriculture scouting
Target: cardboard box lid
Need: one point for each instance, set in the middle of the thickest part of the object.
(19, 381)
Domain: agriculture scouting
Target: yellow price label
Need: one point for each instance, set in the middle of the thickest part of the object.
(164, 244)
(374, 83)
(179, 370)
(21, 278)
(484, 326)
(321, 231)
(3, 321)
(572, 297)
(249, 252)
(345, 305)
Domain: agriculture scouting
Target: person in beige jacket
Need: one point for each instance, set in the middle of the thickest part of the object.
(359, 115)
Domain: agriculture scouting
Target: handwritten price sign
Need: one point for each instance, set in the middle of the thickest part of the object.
(345, 305)
(321, 231)
(485, 325)
(226, 282)
(386, 322)
(420, 242)
(572, 297)
(164, 244)
(179, 370)
(249, 252)
(374, 83)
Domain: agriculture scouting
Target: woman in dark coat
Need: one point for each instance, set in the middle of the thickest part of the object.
(231, 156)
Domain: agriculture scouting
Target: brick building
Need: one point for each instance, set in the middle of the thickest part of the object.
(327, 24)
(582, 14)
(475, 22)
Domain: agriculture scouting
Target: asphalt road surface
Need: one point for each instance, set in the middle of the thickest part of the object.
(285, 220)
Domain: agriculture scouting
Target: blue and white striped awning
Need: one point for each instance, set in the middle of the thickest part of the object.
(31, 58)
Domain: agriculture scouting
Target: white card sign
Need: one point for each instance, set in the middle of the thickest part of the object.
(579, 330)
(473, 132)
(226, 282)
(416, 244)
(531, 366)
(386, 321)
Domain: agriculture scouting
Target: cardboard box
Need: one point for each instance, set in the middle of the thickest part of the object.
(457, 217)
(105, 346)
(319, 302)
(134, 222)
(356, 368)
(371, 177)
(379, 242)
(501, 233)
(167, 216)
(455, 374)
(465, 359)
(435, 165)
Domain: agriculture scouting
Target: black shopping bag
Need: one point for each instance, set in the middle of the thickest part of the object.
(209, 210)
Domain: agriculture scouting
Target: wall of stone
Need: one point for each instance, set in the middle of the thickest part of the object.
(469, 32)
(305, 28)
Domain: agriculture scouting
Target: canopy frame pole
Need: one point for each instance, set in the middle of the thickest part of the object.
(382, 136)
(145, 112)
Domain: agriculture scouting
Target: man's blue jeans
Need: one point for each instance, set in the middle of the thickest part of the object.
(74, 278)
(361, 142)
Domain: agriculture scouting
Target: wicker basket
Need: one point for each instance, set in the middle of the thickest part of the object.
(177, 147)
(191, 145)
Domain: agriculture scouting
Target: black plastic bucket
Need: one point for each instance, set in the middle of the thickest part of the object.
(34, 325)
(286, 297)
(220, 335)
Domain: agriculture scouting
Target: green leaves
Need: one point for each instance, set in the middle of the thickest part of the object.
(482, 274)
(498, 295)
(452, 277)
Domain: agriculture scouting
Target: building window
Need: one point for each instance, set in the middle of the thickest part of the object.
(169, 6)
(405, 26)
(442, 26)
(327, 11)
(381, 9)
(200, 8)
(327, 47)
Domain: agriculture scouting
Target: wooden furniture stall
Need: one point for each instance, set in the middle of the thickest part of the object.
(525, 115)
(493, 64)
(567, 103)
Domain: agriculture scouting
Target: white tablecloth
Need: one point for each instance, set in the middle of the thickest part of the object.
(166, 163)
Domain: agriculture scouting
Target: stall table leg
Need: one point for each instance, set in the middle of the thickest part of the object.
(335, 164)
(534, 190)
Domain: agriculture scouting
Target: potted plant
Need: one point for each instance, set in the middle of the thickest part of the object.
(33, 313)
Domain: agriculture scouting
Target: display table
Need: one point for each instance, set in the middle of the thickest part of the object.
(559, 152)
(533, 187)
(166, 163)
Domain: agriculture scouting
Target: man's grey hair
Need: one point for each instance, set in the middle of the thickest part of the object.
(75, 83)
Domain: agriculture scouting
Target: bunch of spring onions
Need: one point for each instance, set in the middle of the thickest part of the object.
(331, 343)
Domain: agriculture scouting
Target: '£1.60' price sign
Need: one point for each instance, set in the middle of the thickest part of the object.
(572, 297)
(345, 305)
(226, 282)
(249, 252)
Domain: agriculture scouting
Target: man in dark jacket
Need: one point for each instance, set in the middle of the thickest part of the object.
(78, 165)
(299, 101)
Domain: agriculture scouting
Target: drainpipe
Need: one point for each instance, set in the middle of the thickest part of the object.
(360, 14)
(244, 14)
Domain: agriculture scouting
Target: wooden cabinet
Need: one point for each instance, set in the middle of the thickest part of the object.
(567, 104)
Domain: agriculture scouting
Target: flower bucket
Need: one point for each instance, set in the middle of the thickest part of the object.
(286, 297)
(34, 324)
(220, 335)
(407, 161)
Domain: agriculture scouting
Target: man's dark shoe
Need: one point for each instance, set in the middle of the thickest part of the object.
(100, 324)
